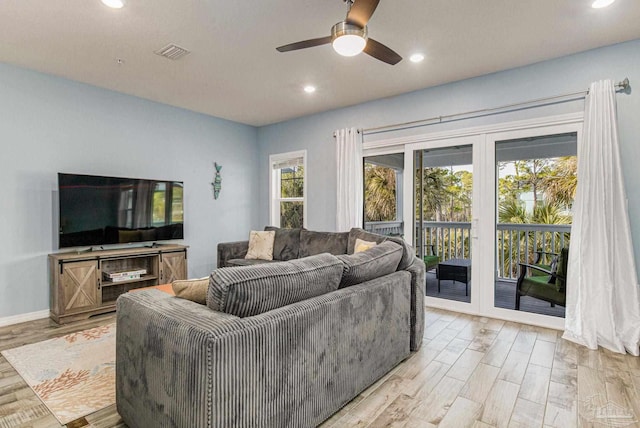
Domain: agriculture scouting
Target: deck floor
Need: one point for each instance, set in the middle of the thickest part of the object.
(505, 296)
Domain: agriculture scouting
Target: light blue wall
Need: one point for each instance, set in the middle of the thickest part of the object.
(564, 75)
(50, 125)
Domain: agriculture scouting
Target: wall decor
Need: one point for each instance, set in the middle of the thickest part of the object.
(217, 181)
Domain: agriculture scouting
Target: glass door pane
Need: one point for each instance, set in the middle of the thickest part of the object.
(383, 194)
(536, 182)
(443, 211)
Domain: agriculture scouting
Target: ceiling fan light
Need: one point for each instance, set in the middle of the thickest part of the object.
(114, 4)
(348, 39)
(599, 4)
(349, 44)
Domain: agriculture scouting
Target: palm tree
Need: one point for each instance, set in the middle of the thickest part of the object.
(560, 184)
(379, 193)
(512, 211)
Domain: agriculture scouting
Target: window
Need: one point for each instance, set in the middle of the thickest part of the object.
(288, 189)
(383, 194)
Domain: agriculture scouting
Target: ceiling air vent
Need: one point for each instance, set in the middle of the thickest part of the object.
(172, 51)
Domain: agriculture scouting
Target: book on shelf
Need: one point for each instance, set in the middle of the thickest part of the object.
(124, 274)
(124, 278)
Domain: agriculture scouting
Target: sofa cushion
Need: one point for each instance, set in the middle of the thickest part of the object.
(312, 243)
(261, 245)
(192, 289)
(408, 253)
(286, 244)
(377, 261)
(251, 290)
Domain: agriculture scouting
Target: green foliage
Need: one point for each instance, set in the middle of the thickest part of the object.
(446, 195)
(292, 186)
(292, 182)
(379, 193)
(550, 180)
(291, 214)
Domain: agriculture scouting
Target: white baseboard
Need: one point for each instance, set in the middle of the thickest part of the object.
(15, 319)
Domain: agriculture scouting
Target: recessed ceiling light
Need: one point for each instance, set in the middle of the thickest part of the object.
(114, 4)
(309, 89)
(416, 57)
(599, 4)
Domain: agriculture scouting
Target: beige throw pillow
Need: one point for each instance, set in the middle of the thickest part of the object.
(261, 245)
(362, 245)
(192, 289)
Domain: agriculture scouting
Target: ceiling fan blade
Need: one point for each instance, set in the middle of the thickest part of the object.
(381, 52)
(304, 44)
(361, 11)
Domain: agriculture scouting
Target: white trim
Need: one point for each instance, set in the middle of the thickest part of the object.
(274, 209)
(545, 321)
(30, 316)
(541, 122)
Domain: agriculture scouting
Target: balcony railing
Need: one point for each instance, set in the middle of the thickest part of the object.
(516, 243)
(384, 227)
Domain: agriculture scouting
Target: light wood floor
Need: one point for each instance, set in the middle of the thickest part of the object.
(470, 372)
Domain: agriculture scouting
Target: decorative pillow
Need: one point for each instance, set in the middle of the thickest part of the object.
(286, 244)
(362, 245)
(261, 245)
(408, 254)
(192, 289)
(250, 290)
(312, 243)
(357, 233)
(377, 261)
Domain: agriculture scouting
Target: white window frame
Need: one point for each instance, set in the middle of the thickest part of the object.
(275, 188)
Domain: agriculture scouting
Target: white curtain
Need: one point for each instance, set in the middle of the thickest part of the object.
(349, 167)
(603, 303)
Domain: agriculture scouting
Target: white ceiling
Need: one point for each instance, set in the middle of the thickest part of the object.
(235, 72)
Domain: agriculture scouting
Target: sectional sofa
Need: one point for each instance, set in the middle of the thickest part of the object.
(279, 344)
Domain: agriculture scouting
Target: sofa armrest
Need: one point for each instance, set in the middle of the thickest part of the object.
(231, 250)
(418, 289)
(163, 347)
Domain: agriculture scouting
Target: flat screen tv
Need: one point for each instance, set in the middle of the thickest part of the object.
(96, 210)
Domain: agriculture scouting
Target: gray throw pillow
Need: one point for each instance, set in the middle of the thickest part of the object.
(408, 253)
(357, 233)
(375, 262)
(286, 244)
(250, 290)
(312, 243)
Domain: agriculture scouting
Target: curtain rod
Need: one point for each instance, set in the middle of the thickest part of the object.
(620, 86)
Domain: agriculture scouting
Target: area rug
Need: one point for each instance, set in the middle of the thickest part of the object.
(73, 375)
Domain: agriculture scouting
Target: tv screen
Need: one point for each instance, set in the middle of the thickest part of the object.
(97, 210)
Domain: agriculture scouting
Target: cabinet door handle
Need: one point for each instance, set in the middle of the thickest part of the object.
(99, 283)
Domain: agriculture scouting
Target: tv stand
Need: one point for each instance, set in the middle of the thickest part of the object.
(78, 289)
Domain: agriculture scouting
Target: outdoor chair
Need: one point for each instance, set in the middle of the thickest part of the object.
(545, 284)
(431, 260)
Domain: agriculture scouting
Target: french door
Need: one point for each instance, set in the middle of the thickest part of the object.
(453, 192)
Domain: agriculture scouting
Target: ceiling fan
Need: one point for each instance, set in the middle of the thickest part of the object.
(349, 37)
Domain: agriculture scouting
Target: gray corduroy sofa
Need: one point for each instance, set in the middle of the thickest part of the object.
(292, 244)
(277, 345)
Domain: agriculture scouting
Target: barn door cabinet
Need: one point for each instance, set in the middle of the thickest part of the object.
(80, 287)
